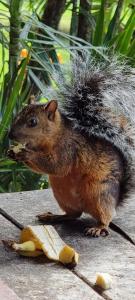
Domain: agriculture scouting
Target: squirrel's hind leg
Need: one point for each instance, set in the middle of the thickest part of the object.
(52, 218)
(103, 210)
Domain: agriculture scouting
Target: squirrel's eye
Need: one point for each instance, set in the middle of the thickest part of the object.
(32, 122)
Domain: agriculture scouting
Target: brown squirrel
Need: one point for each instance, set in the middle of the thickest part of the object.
(86, 145)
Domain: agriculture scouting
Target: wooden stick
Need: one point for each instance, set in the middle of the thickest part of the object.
(11, 219)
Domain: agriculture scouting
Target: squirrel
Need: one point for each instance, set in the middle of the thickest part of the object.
(84, 141)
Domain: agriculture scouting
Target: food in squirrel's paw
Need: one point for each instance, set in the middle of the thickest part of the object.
(104, 280)
(17, 148)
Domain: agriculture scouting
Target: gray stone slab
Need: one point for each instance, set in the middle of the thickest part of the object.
(126, 218)
(6, 293)
(35, 278)
(112, 254)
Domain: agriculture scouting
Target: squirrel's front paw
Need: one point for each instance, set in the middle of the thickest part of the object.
(96, 231)
(20, 156)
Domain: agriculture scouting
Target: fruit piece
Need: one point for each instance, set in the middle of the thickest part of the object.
(68, 255)
(26, 246)
(104, 280)
(27, 249)
(17, 148)
(46, 240)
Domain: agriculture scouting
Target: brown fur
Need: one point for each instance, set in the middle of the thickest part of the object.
(85, 175)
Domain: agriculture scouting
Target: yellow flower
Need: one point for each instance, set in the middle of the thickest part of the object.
(60, 58)
(24, 53)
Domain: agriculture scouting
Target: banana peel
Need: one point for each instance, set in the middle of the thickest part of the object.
(44, 239)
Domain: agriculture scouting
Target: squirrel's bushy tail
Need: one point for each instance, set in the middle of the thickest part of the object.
(99, 97)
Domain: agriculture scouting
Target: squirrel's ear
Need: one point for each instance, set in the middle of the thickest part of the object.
(51, 109)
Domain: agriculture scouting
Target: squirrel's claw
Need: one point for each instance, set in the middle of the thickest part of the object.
(96, 231)
(20, 156)
(45, 216)
(52, 218)
(11, 154)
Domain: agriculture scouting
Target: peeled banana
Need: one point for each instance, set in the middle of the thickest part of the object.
(44, 239)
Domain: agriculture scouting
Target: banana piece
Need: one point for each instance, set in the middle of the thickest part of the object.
(68, 256)
(26, 246)
(17, 148)
(27, 249)
(104, 280)
(44, 239)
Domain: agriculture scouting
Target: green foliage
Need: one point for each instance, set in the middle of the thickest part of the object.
(14, 90)
(118, 32)
(99, 28)
(13, 97)
(23, 77)
(112, 24)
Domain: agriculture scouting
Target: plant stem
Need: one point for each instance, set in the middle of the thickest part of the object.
(84, 26)
(74, 19)
(53, 12)
(15, 26)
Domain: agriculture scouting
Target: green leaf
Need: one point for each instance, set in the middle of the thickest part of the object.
(114, 22)
(2, 76)
(13, 99)
(124, 39)
(131, 50)
(4, 3)
(25, 31)
(98, 34)
(38, 82)
(6, 162)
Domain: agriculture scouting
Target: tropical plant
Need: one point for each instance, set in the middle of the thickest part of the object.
(29, 71)
(107, 23)
(21, 76)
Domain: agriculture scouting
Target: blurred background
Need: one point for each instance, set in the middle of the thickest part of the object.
(40, 36)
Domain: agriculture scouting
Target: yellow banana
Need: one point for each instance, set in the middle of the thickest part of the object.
(37, 240)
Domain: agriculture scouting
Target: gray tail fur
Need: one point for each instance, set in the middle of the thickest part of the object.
(99, 97)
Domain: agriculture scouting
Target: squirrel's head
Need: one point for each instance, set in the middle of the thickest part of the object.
(36, 125)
